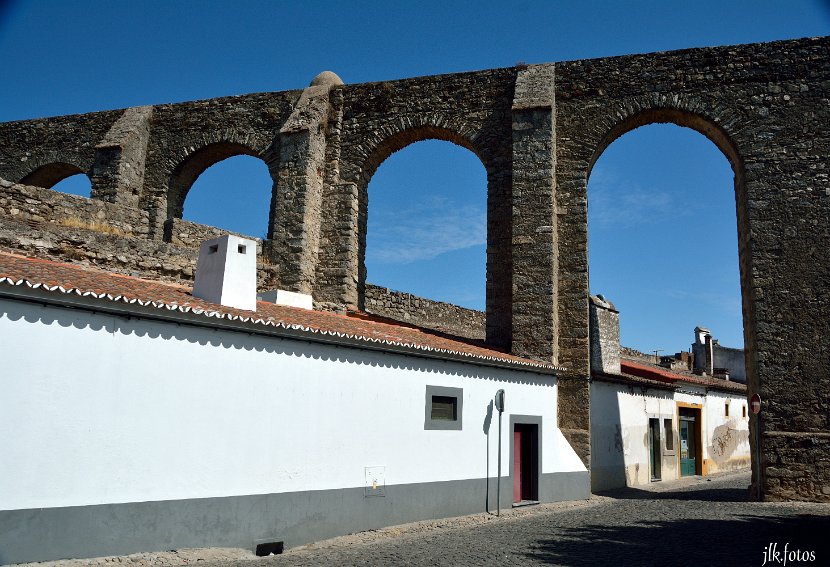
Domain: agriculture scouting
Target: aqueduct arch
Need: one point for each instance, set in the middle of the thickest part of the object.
(710, 127)
(398, 137)
(658, 110)
(537, 129)
(679, 116)
(189, 169)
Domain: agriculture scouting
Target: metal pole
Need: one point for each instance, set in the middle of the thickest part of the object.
(487, 489)
(498, 481)
(758, 455)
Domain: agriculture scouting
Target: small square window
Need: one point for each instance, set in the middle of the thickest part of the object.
(443, 408)
(213, 249)
(241, 248)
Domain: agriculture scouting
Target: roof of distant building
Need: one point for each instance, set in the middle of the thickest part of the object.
(660, 374)
(637, 372)
(632, 380)
(57, 281)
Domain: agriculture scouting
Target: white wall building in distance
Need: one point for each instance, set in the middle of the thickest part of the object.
(649, 423)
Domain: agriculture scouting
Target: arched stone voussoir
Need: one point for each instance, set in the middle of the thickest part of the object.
(47, 170)
(362, 160)
(235, 142)
(714, 122)
(191, 160)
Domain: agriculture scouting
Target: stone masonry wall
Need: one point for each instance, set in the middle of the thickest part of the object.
(35, 150)
(437, 315)
(37, 206)
(42, 223)
(120, 158)
(472, 110)
(191, 234)
(187, 138)
(605, 336)
(766, 107)
(634, 354)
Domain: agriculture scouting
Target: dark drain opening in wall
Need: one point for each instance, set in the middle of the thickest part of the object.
(270, 548)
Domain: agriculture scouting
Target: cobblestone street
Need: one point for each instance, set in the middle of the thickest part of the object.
(689, 523)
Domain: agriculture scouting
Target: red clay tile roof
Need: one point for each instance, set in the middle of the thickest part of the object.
(58, 277)
(663, 375)
(630, 379)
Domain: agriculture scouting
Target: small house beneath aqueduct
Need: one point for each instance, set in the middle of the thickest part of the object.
(537, 129)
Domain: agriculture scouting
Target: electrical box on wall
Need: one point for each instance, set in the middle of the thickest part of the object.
(375, 482)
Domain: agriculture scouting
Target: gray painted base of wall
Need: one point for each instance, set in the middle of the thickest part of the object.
(295, 518)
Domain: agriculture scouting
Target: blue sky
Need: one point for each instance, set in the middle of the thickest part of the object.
(662, 221)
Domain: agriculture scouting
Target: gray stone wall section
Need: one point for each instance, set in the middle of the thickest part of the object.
(733, 359)
(295, 518)
(534, 325)
(605, 336)
(134, 256)
(336, 217)
(535, 239)
(765, 107)
(44, 151)
(472, 110)
(37, 207)
(422, 312)
(298, 202)
(118, 172)
(187, 138)
(191, 234)
(42, 223)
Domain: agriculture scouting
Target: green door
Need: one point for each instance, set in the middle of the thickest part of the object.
(654, 436)
(688, 458)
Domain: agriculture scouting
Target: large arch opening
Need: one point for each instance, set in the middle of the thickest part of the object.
(426, 227)
(669, 245)
(224, 185)
(663, 243)
(60, 176)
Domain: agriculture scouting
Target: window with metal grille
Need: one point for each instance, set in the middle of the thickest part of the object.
(445, 407)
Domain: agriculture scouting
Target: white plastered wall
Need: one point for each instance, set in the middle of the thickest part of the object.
(106, 409)
(727, 437)
(619, 432)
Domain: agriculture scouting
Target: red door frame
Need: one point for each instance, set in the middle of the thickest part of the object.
(525, 462)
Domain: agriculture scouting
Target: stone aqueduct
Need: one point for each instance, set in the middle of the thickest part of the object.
(538, 130)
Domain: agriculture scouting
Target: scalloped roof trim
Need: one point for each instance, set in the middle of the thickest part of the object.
(269, 322)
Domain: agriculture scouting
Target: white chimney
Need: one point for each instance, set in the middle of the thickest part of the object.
(226, 272)
(289, 298)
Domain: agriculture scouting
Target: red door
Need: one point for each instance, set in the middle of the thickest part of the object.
(517, 465)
